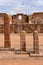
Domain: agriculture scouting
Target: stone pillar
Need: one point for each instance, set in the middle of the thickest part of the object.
(38, 27)
(22, 41)
(35, 42)
(6, 32)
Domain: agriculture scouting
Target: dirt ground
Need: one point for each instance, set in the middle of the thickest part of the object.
(28, 61)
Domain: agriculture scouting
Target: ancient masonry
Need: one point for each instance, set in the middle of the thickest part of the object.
(35, 42)
(6, 30)
(22, 24)
(22, 41)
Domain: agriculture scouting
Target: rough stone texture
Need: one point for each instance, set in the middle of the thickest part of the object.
(7, 32)
(6, 21)
(35, 42)
(15, 18)
(22, 41)
(19, 23)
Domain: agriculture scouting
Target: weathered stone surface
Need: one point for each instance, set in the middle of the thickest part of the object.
(6, 20)
(35, 42)
(22, 41)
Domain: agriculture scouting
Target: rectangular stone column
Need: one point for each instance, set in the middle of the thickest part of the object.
(38, 27)
(19, 27)
(35, 42)
(6, 35)
(22, 41)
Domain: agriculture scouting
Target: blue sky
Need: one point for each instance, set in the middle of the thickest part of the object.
(21, 6)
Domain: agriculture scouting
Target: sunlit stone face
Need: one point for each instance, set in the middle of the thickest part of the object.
(20, 17)
(1, 20)
(10, 22)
